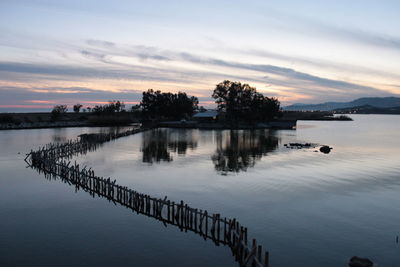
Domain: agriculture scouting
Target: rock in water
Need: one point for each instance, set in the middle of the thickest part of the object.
(360, 262)
(325, 149)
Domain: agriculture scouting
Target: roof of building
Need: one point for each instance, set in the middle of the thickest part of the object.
(206, 114)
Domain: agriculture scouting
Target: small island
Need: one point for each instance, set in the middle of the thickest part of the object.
(238, 106)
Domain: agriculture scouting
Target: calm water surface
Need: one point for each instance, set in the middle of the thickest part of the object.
(307, 208)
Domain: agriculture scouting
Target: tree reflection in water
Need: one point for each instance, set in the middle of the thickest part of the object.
(238, 150)
(158, 144)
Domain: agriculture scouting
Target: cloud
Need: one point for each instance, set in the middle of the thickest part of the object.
(38, 101)
(25, 98)
(115, 70)
(271, 69)
(53, 95)
(94, 55)
(320, 63)
(361, 36)
(101, 43)
(287, 73)
(129, 72)
(301, 24)
(140, 51)
(145, 56)
(104, 66)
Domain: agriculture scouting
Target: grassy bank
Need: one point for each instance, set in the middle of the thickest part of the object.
(314, 115)
(70, 119)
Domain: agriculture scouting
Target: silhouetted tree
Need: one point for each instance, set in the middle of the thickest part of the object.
(135, 108)
(168, 105)
(113, 106)
(57, 111)
(77, 108)
(241, 102)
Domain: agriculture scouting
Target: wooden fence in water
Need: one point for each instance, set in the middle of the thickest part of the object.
(52, 160)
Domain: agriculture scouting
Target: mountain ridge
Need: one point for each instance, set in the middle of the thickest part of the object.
(378, 102)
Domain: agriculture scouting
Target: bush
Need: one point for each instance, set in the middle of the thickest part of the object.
(27, 119)
(110, 108)
(344, 118)
(6, 118)
(77, 108)
(57, 111)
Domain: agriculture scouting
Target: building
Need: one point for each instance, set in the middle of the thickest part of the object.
(206, 116)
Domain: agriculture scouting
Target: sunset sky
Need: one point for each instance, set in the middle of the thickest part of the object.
(69, 51)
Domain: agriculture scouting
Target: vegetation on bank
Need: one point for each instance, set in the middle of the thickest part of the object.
(242, 103)
(368, 109)
(237, 104)
(58, 111)
(158, 105)
(314, 115)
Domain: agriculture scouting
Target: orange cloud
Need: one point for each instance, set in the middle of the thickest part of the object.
(106, 102)
(38, 101)
(25, 106)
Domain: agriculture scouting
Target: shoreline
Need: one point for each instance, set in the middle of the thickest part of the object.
(278, 124)
(286, 124)
(28, 126)
(20, 121)
(43, 120)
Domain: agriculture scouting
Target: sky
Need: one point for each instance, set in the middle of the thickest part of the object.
(89, 52)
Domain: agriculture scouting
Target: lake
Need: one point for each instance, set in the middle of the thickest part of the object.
(305, 207)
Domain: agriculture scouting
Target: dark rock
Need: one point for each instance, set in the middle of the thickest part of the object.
(325, 149)
(360, 262)
(300, 145)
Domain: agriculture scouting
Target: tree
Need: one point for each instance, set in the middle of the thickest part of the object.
(57, 111)
(168, 105)
(241, 102)
(113, 106)
(135, 108)
(77, 108)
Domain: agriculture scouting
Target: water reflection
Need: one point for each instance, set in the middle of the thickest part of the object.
(61, 135)
(159, 144)
(238, 150)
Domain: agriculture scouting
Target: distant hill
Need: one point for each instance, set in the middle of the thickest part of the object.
(379, 102)
(368, 109)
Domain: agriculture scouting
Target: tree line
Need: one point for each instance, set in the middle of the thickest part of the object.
(239, 102)
(168, 105)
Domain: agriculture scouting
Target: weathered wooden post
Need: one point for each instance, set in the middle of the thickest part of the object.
(51, 160)
(173, 211)
(254, 251)
(266, 259)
